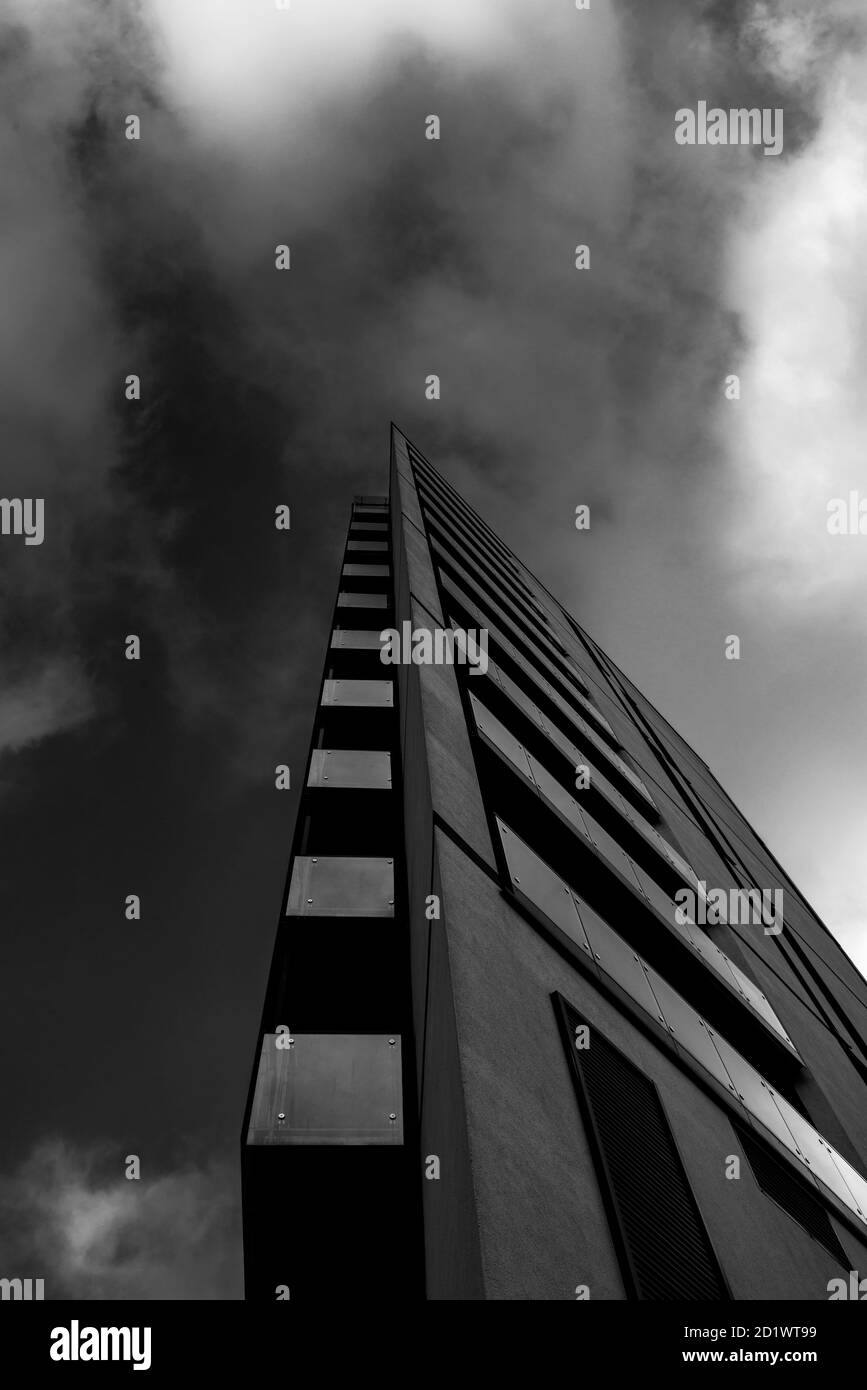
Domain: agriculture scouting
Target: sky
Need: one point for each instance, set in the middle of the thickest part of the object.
(260, 127)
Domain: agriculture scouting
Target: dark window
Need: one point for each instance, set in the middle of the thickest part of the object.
(663, 1245)
(784, 1187)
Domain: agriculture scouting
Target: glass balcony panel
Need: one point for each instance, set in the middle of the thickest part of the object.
(560, 741)
(451, 542)
(358, 694)
(341, 886)
(711, 955)
(551, 791)
(611, 851)
(600, 782)
(534, 881)
(631, 776)
(856, 1183)
(349, 600)
(577, 757)
(688, 1029)
(668, 852)
(501, 619)
(449, 507)
(515, 693)
(815, 1151)
(568, 711)
(497, 734)
(356, 639)
(594, 713)
(757, 1096)
(714, 900)
(453, 511)
(664, 905)
(366, 571)
(615, 958)
(350, 767)
(328, 1088)
(759, 1001)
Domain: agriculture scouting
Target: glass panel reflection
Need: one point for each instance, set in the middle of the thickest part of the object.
(366, 571)
(856, 1183)
(558, 797)
(449, 545)
(711, 954)
(615, 958)
(497, 734)
(495, 628)
(351, 600)
(514, 692)
(594, 712)
(611, 850)
(532, 880)
(346, 693)
(328, 1088)
(815, 1152)
(754, 1091)
(349, 767)
(688, 1029)
(341, 886)
(758, 1000)
(357, 639)
(565, 745)
(665, 906)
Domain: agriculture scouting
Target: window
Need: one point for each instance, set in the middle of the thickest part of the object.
(664, 1248)
(530, 636)
(515, 646)
(579, 819)
(795, 1197)
(446, 520)
(502, 588)
(426, 478)
(569, 714)
(548, 897)
(564, 745)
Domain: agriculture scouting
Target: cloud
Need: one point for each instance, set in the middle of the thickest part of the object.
(409, 257)
(262, 126)
(60, 343)
(55, 698)
(258, 388)
(797, 281)
(70, 1217)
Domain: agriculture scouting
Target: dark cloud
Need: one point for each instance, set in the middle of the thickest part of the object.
(71, 1217)
(409, 257)
(259, 387)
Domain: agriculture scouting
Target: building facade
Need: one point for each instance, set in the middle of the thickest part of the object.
(546, 1019)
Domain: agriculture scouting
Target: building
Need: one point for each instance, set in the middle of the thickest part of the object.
(561, 1026)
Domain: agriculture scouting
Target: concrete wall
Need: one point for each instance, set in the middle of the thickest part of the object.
(542, 1226)
(517, 1212)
